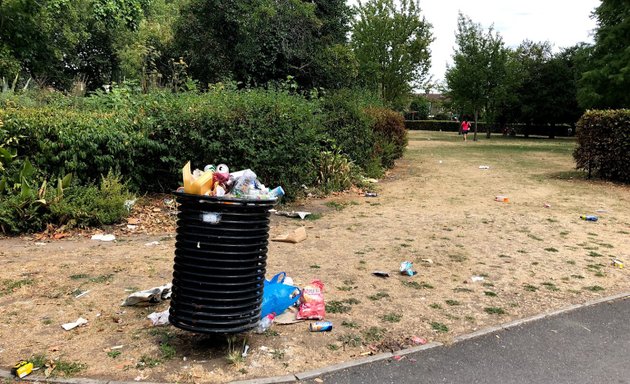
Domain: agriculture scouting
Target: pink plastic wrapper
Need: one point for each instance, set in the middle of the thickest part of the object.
(312, 304)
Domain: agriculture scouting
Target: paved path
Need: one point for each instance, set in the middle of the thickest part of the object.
(588, 345)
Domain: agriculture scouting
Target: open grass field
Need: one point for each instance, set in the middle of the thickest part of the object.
(436, 209)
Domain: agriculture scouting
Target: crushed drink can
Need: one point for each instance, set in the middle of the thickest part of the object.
(321, 326)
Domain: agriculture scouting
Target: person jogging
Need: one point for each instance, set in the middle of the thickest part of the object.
(465, 128)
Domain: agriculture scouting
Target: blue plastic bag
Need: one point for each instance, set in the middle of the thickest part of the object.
(277, 296)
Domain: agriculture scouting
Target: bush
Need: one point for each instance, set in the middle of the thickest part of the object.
(390, 134)
(351, 129)
(91, 205)
(603, 144)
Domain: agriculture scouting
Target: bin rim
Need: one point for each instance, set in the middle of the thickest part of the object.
(216, 199)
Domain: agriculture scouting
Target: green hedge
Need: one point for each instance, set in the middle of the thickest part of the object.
(148, 138)
(603, 144)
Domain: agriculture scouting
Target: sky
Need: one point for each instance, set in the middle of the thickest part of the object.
(561, 22)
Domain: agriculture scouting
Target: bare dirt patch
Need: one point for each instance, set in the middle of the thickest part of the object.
(436, 209)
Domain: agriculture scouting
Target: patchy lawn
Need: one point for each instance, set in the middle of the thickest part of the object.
(436, 209)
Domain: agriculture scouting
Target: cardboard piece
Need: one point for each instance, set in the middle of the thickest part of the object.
(297, 236)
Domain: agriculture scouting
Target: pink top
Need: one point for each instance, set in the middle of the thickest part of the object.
(465, 125)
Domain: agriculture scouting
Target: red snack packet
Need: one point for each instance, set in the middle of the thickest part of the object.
(312, 304)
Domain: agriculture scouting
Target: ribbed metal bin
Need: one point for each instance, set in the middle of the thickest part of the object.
(220, 259)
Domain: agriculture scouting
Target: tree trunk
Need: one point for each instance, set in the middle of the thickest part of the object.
(476, 114)
(552, 131)
(488, 129)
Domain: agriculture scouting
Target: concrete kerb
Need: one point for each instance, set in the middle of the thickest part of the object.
(338, 367)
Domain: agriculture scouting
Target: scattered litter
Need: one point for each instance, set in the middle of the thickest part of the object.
(82, 294)
(132, 226)
(617, 263)
(265, 323)
(159, 318)
(418, 340)
(68, 326)
(440, 161)
(370, 180)
(297, 236)
(287, 317)
(149, 296)
(589, 217)
(22, 369)
(40, 243)
(502, 199)
(484, 167)
(371, 194)
(116, 347)
(103, 237)
(151, 243)
(320, 326)
(312, 304)
(140, 377)
(278, 295)
(318, 380)
(547, 205)
(243, 355)
(601, 211)
(398, 357)
(476, 278)
(406, 268)
(412, 360)
(263, 348)
(301, 214)
(428, 261)
(381, 274)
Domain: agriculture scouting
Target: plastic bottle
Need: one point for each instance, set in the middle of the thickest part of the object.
(265, 323)
(277, 192)
(588, 217)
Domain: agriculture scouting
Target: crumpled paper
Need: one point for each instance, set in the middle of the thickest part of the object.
(149, 296)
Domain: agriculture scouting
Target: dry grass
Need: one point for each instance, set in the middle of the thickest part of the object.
(437, 204)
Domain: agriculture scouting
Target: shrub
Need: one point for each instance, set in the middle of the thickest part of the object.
(344, 120)
(390, 134)
(603, 144)
(335, 171)
(92, 205)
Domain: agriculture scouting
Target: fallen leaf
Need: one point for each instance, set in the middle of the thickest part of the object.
(133, 221)
(318, 380)
(58, 236)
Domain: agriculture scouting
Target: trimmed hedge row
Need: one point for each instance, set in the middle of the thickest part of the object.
(603, 144)
(148, 138)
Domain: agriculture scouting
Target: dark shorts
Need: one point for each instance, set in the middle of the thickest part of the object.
(464, 132)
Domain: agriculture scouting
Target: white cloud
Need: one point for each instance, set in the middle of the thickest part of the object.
(561, 22)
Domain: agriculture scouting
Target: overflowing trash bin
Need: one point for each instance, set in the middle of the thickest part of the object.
(220, 260)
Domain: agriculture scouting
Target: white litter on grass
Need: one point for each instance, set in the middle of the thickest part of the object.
(68, 326)
(82, 294)
(476, 278)
(149, 296)
(244, 354)
(132, 226)
(116, 347)
(484, 167)
(40, 243)
(159, 318)
(152, 243)
(129, 204)
(103, 237)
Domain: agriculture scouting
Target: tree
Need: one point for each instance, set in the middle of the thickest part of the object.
(478, 68)
(257, 41)
(606, 82)
(391, 41)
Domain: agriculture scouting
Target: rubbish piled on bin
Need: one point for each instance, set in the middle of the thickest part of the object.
(218, 181)
(296, 236)
(149, 296)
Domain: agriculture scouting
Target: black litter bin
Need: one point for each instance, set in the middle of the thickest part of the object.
(220, 259)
